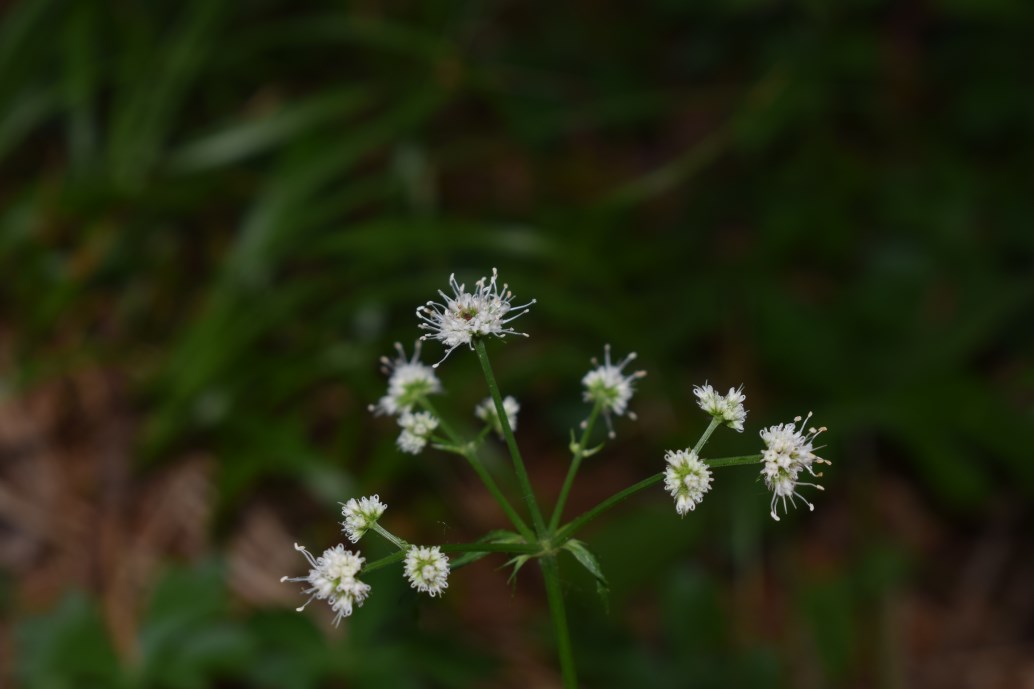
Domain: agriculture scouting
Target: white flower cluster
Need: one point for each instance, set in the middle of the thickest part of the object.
(608, 386)
(466, 315)
(416, 429)
(360, 516)
(727, 408)
(686, 478)
(486, 411)
(408, 381)
(332, 577)
(788, 452)
(427, 570)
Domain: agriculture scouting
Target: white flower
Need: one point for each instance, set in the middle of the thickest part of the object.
(789, 451)
(410, 443)
(486, 412)
(408, 381)
(332, 578)
(427, 569)
(416, 429)
(466, 315)
(686, 478)
(727, 408)
(607, 386)
(360, 515)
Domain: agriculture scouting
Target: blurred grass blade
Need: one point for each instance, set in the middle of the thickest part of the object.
(242, 140)
(80, 83)
(147, 108)
(31, 108)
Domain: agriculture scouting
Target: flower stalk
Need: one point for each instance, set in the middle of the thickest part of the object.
(469, 452)
(579, 452)
(528, 493)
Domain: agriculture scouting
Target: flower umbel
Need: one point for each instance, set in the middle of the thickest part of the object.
(789, 451)
(332, 578)
(466, 315)
(408, 381)
(727, 408)
(416, 429)
(686, 478)
(609, 387)
(486, 412)
(360, 515)
(427, 570)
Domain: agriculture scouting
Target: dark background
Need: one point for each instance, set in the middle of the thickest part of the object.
(216, 216)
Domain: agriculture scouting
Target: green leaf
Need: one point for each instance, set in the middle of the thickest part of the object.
(587, 560)
(68, 647)
(188, 638)
(517, 562)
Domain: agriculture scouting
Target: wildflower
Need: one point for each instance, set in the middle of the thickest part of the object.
(686, 478)
(332, 577)
(467, 315)
(486, 412)
(416, 429)
(727, 408)
(408, 381)
(427, 569)
(607, 386)
(360, 516)
(789, 451)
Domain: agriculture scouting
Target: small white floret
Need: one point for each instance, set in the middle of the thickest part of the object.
(727, 408)
(427, 570)
(687, 478)
(486, 411)
(466, 315)
(360, 515)
(416, 431)
(408, 381)
(608, 386)
(788, 452)
(332, 577)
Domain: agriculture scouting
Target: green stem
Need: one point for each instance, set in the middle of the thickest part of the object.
(384, 561)
(517, 548)
(525, 548)
(707, 434)
(470, 455)
(398, 542)
(551, 574)
(733, 461)
(577, 523)
(511, 442)
(580, 521)
(576, 460)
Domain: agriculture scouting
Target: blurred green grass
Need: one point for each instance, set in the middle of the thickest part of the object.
(239, 206)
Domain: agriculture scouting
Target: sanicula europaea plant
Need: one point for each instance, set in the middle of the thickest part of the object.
(472, 318)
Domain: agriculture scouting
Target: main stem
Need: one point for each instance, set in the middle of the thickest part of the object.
(576, 460)
(551, 574)
(511, 442)
(470, 454)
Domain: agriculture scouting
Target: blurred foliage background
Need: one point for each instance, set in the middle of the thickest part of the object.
(216, 216)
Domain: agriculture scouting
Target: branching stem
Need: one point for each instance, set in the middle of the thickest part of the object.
(511, 442)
